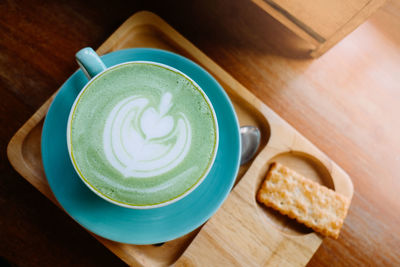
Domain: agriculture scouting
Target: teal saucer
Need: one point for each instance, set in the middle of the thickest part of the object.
(140, 226)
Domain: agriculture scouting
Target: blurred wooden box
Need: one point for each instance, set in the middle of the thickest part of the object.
(320, 22)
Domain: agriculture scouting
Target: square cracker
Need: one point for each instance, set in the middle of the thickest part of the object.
(310, 203)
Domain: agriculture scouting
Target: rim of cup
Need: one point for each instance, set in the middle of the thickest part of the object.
(157, 205)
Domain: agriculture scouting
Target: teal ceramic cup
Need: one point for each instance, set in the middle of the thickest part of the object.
(133, 154)
(140, 226)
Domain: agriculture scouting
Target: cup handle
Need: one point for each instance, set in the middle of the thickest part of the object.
(89, 62)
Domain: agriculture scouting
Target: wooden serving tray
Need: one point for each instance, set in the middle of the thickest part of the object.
(242, 232)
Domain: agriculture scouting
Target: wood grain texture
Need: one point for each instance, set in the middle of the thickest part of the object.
(323, 23)
(278, 138)
(324, 17)
(345, 102)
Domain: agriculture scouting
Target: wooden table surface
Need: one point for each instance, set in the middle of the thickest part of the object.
(347, 103)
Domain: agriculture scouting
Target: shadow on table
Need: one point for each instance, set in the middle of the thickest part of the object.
(235, 25)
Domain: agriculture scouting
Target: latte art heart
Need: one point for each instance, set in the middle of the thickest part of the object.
(144, 141)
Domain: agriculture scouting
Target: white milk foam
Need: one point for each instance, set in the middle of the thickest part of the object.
(143, 141)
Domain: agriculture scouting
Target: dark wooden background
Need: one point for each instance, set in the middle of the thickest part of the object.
(347, 103)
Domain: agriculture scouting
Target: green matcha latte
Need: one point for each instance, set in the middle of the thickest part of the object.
(141, 134)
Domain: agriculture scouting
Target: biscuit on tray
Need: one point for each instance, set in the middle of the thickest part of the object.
(310, 203)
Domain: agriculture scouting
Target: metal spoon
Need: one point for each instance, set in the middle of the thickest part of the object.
(250, 136)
